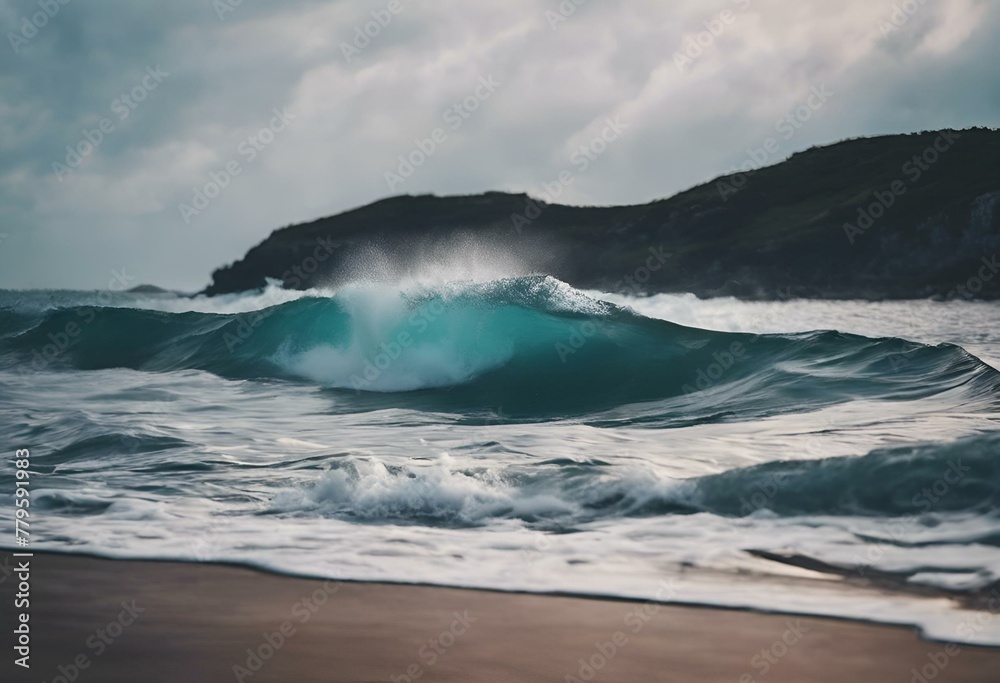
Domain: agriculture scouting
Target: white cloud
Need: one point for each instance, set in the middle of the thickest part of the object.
(354, 118)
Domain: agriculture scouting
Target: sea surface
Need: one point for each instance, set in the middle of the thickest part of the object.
(835, 458)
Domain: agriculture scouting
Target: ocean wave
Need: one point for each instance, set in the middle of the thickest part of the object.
(370, 490)
(532, 346)
(962, 476)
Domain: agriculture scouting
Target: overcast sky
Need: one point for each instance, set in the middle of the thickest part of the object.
(183, 89)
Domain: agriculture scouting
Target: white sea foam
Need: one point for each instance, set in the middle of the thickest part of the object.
(275, 474)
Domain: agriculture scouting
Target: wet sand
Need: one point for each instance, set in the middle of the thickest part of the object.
(112, 620)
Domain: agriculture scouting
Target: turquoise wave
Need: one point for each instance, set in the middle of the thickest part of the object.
(528, 348)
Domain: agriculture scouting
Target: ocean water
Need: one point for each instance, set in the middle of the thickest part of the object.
(832, 458)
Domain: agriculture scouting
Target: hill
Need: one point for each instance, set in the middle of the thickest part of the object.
(900, 216)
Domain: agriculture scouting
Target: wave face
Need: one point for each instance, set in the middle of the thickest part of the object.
(532, 346)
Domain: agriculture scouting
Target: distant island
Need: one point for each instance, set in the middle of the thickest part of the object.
(148, 289)
(890, 217)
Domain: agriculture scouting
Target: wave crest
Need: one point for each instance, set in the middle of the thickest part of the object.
(531, 345)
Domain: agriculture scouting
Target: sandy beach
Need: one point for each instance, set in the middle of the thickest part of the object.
(497, 341)
(112, 620)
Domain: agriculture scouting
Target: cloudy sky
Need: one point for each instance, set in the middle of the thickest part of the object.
(115, 117)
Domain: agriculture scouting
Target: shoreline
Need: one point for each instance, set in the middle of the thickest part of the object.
(887, 587)
(199, 621)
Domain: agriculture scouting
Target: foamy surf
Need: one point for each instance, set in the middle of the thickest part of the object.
(523, 435)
